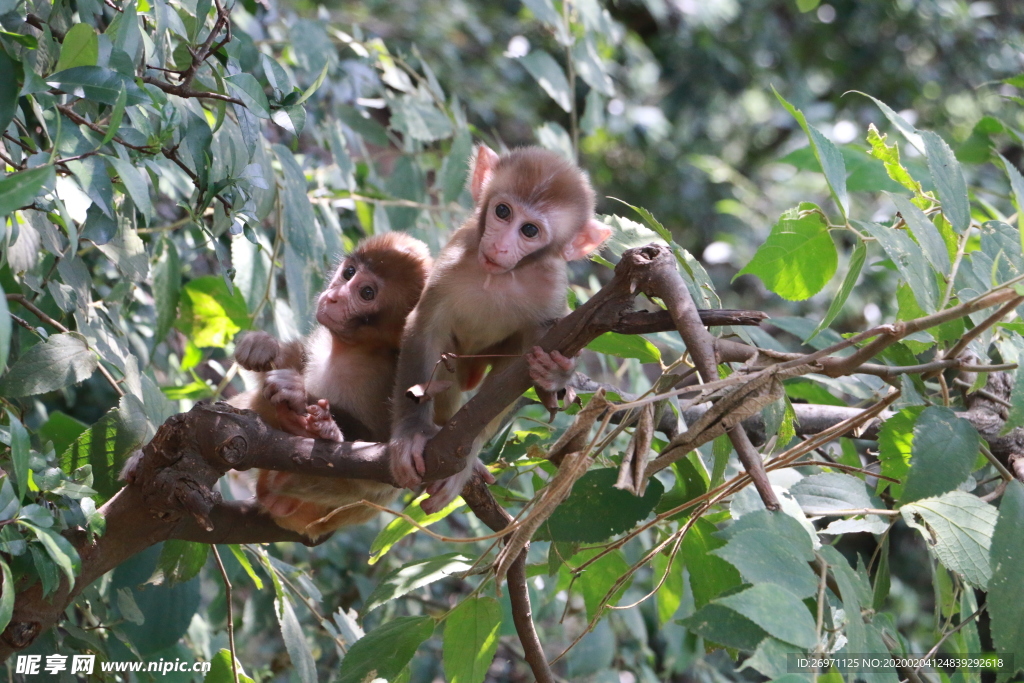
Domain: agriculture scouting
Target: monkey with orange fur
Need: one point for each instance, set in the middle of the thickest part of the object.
(342, 373)
(495, 288)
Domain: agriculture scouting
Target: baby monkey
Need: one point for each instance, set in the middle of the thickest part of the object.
(498, 284)
(341, 374)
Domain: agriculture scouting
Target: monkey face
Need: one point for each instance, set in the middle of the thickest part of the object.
(513, 230)
(351, 298)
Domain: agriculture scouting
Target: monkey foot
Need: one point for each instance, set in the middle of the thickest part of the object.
(549, 371)
(320, 423)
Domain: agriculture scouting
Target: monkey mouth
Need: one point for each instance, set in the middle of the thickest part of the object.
(492, 266)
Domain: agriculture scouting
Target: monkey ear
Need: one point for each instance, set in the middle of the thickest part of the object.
(483, 169)
(588, 239)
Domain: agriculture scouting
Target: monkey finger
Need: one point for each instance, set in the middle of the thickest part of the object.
(482, 470)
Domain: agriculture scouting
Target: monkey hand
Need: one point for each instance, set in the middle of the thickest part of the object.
(444, 491)
(406, 456)
(286, 388)
(320, 423)
(550, 373)
(257, 351)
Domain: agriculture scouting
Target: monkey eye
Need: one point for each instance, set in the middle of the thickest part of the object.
(502, 211)
(529, 230)
(367, 293)
(348, 272)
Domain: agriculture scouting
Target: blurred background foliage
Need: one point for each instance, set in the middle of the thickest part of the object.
(676, 114)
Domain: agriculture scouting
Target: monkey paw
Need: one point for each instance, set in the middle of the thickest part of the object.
(320, 423)
(406, 455)
(444, 491)
(549, 371)
(286, 388)
(257, 351)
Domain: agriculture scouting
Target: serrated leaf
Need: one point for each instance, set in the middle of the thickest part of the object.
(724, 626)
(399, 527)
(1017, 185)
(209, 315)
(828, 155)
(1005, 589)
(889, 155)
(599, 578)
(20, 189)
(180, 561)
(135, 182)
(166, 287)
(549, 75)
(710, 575)
(860, 252)
(798, 257)
(949, 181)
(944, 450)
(414, 575)
(830, 491)
(895, 444)
(925, 232)
(471, 633)
(958, 527)
(763, 557)
(81, 47)
(243, 560)
(97, 83)
(626, 346)
(249, 90)
(383, 652)
(908, 131)
(104, 447)
(909, 260)
(777, 611)
(595, 510)
(60, 361)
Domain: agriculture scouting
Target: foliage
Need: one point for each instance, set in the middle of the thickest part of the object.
(177, 171)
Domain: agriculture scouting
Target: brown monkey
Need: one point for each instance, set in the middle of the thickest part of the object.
(499, 282)
(345, 367)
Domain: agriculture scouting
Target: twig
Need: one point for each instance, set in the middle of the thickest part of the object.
(963, 622)
(231, 611)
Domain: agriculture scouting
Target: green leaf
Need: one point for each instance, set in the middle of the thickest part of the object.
(598, 578)
(166, 287)
(763, 557)
(860, 252)
(835, 491)
(724, 626)
(6, 595)
(596, 510)
(243, 560)
(670, 595)
(895, 444)
(471, 633)
(546, 12)
(890, 157)
(61, 429)
(135, 182)
(5, 330)
(413, 576)
(180, 561)
(209, 315)
(97, 83)
(958, 527)
(399, 527)
(944, 450)
(798, 257)
(308, 92)
(251, 93)
(81, 47)
(909, 261)
(626, 346)
(221, 671)
(420, 119)
(846, 579)
(385, 651)
(60, 361)
(710, 575)
(456, 166)
(8, 92)
(908, 131)
(590, 68)
(59, 549)
(294, 640)
(777, 611)
(1017, 185)
(549, 75)
(925, 232)
(1015, 416)
(828, 155)
(20, 453)
(20, 189)
(115, 116)
(1005, 589)
(104, 447)
(949, 181)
